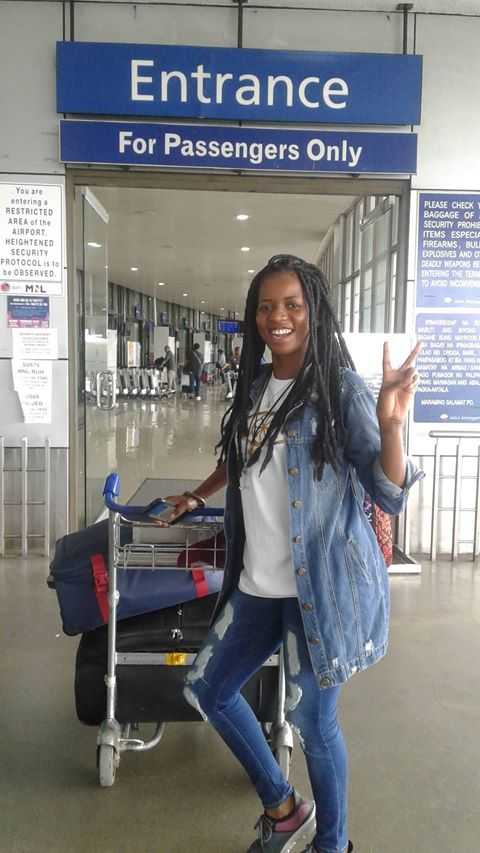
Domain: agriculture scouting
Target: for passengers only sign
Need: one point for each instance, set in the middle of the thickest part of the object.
(251, 148)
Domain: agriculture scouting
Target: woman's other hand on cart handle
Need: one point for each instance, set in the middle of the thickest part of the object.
(185, 503)
(181, 505)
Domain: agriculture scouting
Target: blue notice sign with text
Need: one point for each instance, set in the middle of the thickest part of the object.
(449, 367)
(211, 147)
(28, 312)
(448, 267)
(181, 81)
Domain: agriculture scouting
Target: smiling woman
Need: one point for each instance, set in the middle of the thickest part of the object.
(303, 566)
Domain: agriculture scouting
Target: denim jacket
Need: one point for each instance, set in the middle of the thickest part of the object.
(342, 580)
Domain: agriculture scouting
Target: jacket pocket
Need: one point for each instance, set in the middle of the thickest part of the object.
(358, 560)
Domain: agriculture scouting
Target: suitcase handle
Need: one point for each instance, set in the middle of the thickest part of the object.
(111, 490)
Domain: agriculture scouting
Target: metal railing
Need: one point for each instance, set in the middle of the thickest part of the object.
(23, 471)
(458, 478)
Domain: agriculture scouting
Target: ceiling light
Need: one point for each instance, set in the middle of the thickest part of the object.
(202, 302)
(134, 269)
(242, 217)
(245, 249)
(160, 284)
(251, 271)
(185, 294)
(95, 245)
(222, 309)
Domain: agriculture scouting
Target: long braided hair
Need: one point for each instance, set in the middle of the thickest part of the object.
(318, 380)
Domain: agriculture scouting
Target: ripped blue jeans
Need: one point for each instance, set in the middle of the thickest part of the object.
(248, 630)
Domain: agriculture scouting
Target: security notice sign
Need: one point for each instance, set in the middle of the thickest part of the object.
(28, 312)
(449, 367)
(448, 273)
(31, 239)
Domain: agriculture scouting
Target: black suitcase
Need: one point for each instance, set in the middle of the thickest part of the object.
(154, 693)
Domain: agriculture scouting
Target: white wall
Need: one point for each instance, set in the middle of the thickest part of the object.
(449, 136)
(290, 29)
(29, 138)
(133, 22)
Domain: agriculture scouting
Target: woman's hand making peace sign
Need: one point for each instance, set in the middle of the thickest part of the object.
(397, 391)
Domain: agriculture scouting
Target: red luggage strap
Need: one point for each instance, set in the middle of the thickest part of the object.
(100, 583)
(201, 584)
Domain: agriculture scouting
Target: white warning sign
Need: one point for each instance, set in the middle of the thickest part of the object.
(31, 239)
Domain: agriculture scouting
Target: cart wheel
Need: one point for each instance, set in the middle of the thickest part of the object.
(107, 765)
(283, 755)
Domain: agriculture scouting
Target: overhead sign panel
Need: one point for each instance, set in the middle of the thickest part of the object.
(208, 146)
(238, 84)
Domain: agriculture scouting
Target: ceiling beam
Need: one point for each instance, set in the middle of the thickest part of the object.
(246, 182)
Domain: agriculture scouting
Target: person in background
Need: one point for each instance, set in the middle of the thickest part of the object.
(235, 358)
(195, 370)
(169, 363)
(231, 372)
(221, 362)
(300, 443)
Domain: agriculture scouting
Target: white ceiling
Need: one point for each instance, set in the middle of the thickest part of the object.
(191, 240)
(446, 7)
(443, 7)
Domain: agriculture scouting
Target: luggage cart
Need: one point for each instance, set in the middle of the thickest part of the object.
(162, 552)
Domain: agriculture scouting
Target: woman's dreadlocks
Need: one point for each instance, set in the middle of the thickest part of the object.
(318, 380)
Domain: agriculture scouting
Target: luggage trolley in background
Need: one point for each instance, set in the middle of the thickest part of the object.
(152, 547)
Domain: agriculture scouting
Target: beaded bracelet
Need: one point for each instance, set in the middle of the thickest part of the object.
(200, 500)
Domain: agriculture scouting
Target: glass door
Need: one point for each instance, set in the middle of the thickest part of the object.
(96, 357)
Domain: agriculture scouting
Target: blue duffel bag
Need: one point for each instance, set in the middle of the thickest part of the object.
(79, 575)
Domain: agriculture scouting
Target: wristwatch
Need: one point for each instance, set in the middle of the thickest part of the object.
(201, 501)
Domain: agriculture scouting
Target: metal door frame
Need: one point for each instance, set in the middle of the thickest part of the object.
(239, 182)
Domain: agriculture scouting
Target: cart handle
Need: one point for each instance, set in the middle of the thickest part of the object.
(111, 490)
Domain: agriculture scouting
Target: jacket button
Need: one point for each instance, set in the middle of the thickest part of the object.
(293, 472)
(306, 605)
(314, 641)
(301, 571)
(297, 504)
(325, 682)
(296, 540)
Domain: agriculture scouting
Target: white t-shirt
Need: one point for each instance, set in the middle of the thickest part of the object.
(267, 561)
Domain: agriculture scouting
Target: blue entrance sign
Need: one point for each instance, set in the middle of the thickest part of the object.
(449, 367)
(238, 84)
(210, 147)
(448, 271)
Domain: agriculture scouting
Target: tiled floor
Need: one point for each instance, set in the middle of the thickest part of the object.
(153, 438)
(411, 722)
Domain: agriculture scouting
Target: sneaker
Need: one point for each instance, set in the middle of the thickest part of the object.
(282, 836)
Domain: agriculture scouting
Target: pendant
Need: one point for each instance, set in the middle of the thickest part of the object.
(243, 483)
